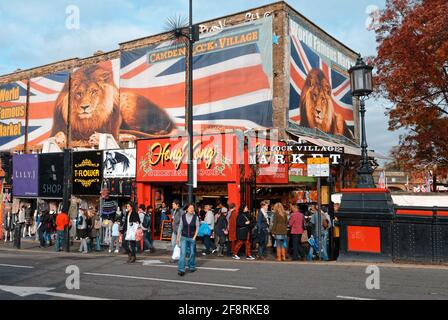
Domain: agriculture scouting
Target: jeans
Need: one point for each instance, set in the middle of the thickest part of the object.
(147, 240)
(324, 250)
(173, 239)
(41, 233)
(59, 240)
(263, 239)
(47, 237)
(209, 245)
(187, 243)
(297, 247)
(112, 241)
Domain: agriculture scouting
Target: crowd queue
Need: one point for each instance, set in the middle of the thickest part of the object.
(290, 230)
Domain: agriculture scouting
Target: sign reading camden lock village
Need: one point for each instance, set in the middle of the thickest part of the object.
(87, 173)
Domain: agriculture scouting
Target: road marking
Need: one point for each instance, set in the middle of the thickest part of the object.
(352, 298)
(29, 291)
(156, 264)
(172, 281)
(16, 266)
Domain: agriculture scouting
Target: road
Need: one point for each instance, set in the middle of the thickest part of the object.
(153, 277)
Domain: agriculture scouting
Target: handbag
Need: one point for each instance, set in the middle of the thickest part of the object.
(139, 235)
(131, 232)
(304, 238)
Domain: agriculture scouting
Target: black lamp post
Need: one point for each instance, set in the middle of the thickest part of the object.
(362, 86)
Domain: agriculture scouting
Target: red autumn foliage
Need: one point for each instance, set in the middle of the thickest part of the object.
(412, 72)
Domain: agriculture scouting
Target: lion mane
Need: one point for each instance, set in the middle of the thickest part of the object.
(316, 106)
(95, 108)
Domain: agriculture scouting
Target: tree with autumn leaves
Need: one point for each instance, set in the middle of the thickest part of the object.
(412, 72)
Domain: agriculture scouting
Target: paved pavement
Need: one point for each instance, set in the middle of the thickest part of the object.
(36, 274)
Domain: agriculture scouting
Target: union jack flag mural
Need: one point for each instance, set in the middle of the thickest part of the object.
(320, 95)
(232, 77)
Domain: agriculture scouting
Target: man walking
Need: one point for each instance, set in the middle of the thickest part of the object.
(177, 214)
(146, 227)
(186, 238)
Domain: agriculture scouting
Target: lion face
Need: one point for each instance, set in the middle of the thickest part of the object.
(316, 104)
(93, 94)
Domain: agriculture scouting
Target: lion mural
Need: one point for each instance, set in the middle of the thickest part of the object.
(316, 106)
(96, 108)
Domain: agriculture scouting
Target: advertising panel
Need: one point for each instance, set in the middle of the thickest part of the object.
(25, 175)
(165, 159)
(320, 94)
(12, 114)
(232, 79)
(51, 175)
(87, 173)
(119, 163)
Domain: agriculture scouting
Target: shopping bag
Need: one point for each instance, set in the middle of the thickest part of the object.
(204, 230)
(131, 232)
(176, 253)
(304, 237)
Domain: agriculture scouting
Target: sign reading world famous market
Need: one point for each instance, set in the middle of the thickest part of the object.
(166, 159)
(87, 172)
(25, 175)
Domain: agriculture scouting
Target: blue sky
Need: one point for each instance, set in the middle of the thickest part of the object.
(33, 33)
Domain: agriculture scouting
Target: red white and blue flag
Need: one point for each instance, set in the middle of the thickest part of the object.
(231, 87)
(303, 60)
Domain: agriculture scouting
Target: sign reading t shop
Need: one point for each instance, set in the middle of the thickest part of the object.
(87, 173)
(51, 175)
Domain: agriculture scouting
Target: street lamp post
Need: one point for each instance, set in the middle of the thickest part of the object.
(362, 86)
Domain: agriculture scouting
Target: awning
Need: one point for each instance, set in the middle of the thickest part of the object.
(347, 149)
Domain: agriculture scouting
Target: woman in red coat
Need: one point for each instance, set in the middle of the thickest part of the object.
(231, 217)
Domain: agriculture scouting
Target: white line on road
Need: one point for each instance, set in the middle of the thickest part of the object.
(29, 291)
(199, 268)
(16, 266)
(172, 281)
(352, 298)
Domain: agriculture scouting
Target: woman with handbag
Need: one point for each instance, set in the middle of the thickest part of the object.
(296, 222)
(132, 223)
(280, 231)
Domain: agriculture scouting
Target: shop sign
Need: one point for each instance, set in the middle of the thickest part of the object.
(87, 172)
(25, 175)
(119, 163)
(51, 175)
(318, 167)
(166, 159)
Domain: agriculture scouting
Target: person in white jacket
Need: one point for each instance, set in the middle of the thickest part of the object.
(210, 221)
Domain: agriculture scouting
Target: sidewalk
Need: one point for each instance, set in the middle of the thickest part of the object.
(163, 250)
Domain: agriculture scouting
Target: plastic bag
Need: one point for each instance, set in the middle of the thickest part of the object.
(176, 253)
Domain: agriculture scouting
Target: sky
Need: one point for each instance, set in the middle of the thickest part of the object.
(35, 32)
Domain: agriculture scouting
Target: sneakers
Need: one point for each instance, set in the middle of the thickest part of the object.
(235, 257)
(204, 254)
(250, 258)
(214, 250)
(181, 273)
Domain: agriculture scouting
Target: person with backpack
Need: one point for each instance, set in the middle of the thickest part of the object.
(95, 230)
(325, 228)
(209, 220)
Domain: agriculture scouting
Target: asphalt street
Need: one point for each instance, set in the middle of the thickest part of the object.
(42, 275)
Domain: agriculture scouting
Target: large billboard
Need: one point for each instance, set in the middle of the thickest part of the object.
(320, 94)
(12, 114)
(232, 72)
